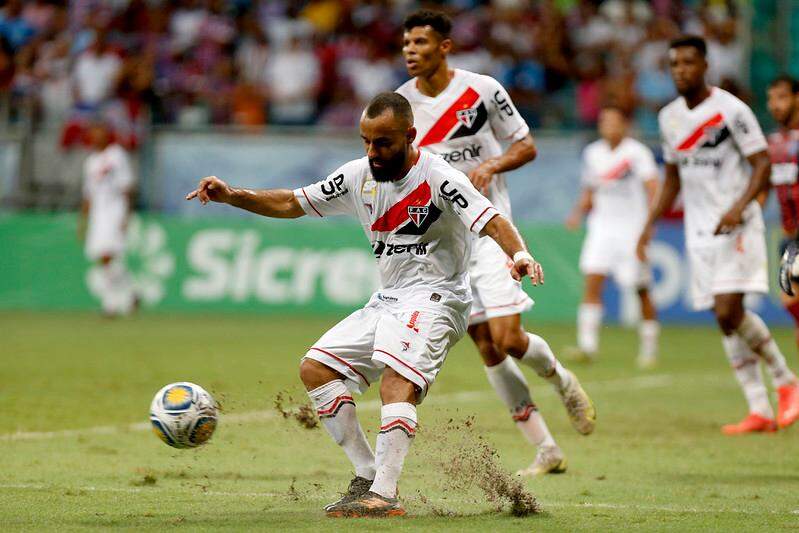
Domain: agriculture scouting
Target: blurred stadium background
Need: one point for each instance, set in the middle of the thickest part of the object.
(267, 93)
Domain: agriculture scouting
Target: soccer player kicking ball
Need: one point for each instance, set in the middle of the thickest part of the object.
(710, 140)
(619, 180)
(463, 116)
(783, 147)
(107, 197)
(419, 214)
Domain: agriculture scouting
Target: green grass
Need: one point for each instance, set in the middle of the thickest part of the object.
(656, 462)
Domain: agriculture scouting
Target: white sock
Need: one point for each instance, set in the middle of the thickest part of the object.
(540, 358)
(648, 332)
(510, 385)
(589, 319)
(119, 288)
(746, 367)
(107, 295)
(336, 410)
(756, 335)
(397, 429)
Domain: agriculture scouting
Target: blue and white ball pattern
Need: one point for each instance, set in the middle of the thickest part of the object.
(183, 415)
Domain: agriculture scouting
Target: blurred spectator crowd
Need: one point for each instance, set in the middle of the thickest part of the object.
(193, 63)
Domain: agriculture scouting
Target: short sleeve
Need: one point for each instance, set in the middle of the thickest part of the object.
(586, 177)
(454, 192)
(124, 171)
(330, 196)
(669, 154)
(506, 122)
(746, 130)
(646, 167)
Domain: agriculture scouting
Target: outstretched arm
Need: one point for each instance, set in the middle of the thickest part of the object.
(580, 209)
(507, 237)
(668, 193)
(274, 203)
(521, 152)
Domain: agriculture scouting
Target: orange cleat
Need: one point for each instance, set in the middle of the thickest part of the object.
(787, 405)
(751, 424)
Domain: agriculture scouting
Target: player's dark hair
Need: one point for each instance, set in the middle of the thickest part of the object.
(397, 103)
(790, 81)
(694, 41)
(440, 22)
(617, 108)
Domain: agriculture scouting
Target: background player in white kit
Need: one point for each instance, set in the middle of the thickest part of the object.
(107, 199)
(619, 183)
(419, 214)
(463, 117)
(716, 153)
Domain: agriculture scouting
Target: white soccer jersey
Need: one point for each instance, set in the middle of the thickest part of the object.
(108, 180)
(616, 178)
(710, 144)
(465, 124)
(419, 226)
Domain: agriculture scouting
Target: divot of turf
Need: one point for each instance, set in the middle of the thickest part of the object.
(304, 414)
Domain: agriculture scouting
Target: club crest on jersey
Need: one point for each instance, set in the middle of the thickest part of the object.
(418, 213)
(466, 116)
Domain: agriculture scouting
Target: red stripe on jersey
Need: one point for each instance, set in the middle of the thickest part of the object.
(309, 202)
(449, 119)
(398, 213)
(697, 135)
(617, 172)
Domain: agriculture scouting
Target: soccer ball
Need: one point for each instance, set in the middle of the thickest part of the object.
(183, 415)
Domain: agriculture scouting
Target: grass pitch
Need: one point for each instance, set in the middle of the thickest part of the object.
(76, 451)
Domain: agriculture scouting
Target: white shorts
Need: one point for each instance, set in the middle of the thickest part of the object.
(607, 254)
(735, 263)
(105, 237)
(495, 293)
(411, 339)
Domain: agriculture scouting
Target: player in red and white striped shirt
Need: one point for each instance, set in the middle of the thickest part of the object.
(783, 148)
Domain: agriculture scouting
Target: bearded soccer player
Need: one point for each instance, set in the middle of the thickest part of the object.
(419, 214)
(620, 180)
(715, 152)
(463, 117)
(783, 147)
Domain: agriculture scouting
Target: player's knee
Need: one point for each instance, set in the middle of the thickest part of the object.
(513, 342)
(728, 318)
(396, 388)
(312, 373)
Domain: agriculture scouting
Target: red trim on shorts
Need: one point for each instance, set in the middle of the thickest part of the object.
(309, 202)
(405, 365)
(342, 361)
(497, 307)
(481, 216)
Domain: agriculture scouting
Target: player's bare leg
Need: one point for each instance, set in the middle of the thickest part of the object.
(589, 318)
(648, 331)
(510, 385)
(748, 339)
(336, 410)
(533, 351)
(397, 430)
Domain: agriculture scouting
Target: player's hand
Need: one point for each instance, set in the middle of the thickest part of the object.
(482, 176)
(730, 220)
(211, 189)
(574, 220)
(528, 267)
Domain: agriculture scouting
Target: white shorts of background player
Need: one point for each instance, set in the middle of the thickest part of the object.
(614, 255)
(105, 235)
(495, 293)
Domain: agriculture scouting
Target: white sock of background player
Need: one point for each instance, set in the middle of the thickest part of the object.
(589, 320)
(397, 430)
(757, 336)
(648, 332)
(510, 385)
(336, 410)
(746, 367)
(540, 358)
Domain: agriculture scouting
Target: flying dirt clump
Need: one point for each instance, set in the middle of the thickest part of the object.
(304, 413)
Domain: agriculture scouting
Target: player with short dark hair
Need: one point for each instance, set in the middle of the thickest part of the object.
(715, 152)
(783, 146)
(619, 183)
(464, 117)
(419, 214)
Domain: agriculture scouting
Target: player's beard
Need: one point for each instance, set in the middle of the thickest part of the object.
(390, 169)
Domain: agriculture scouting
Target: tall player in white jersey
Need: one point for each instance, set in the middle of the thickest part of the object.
(716, 153)
(107, 194)
(619, 183)
(463, 117)
(419, 214)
